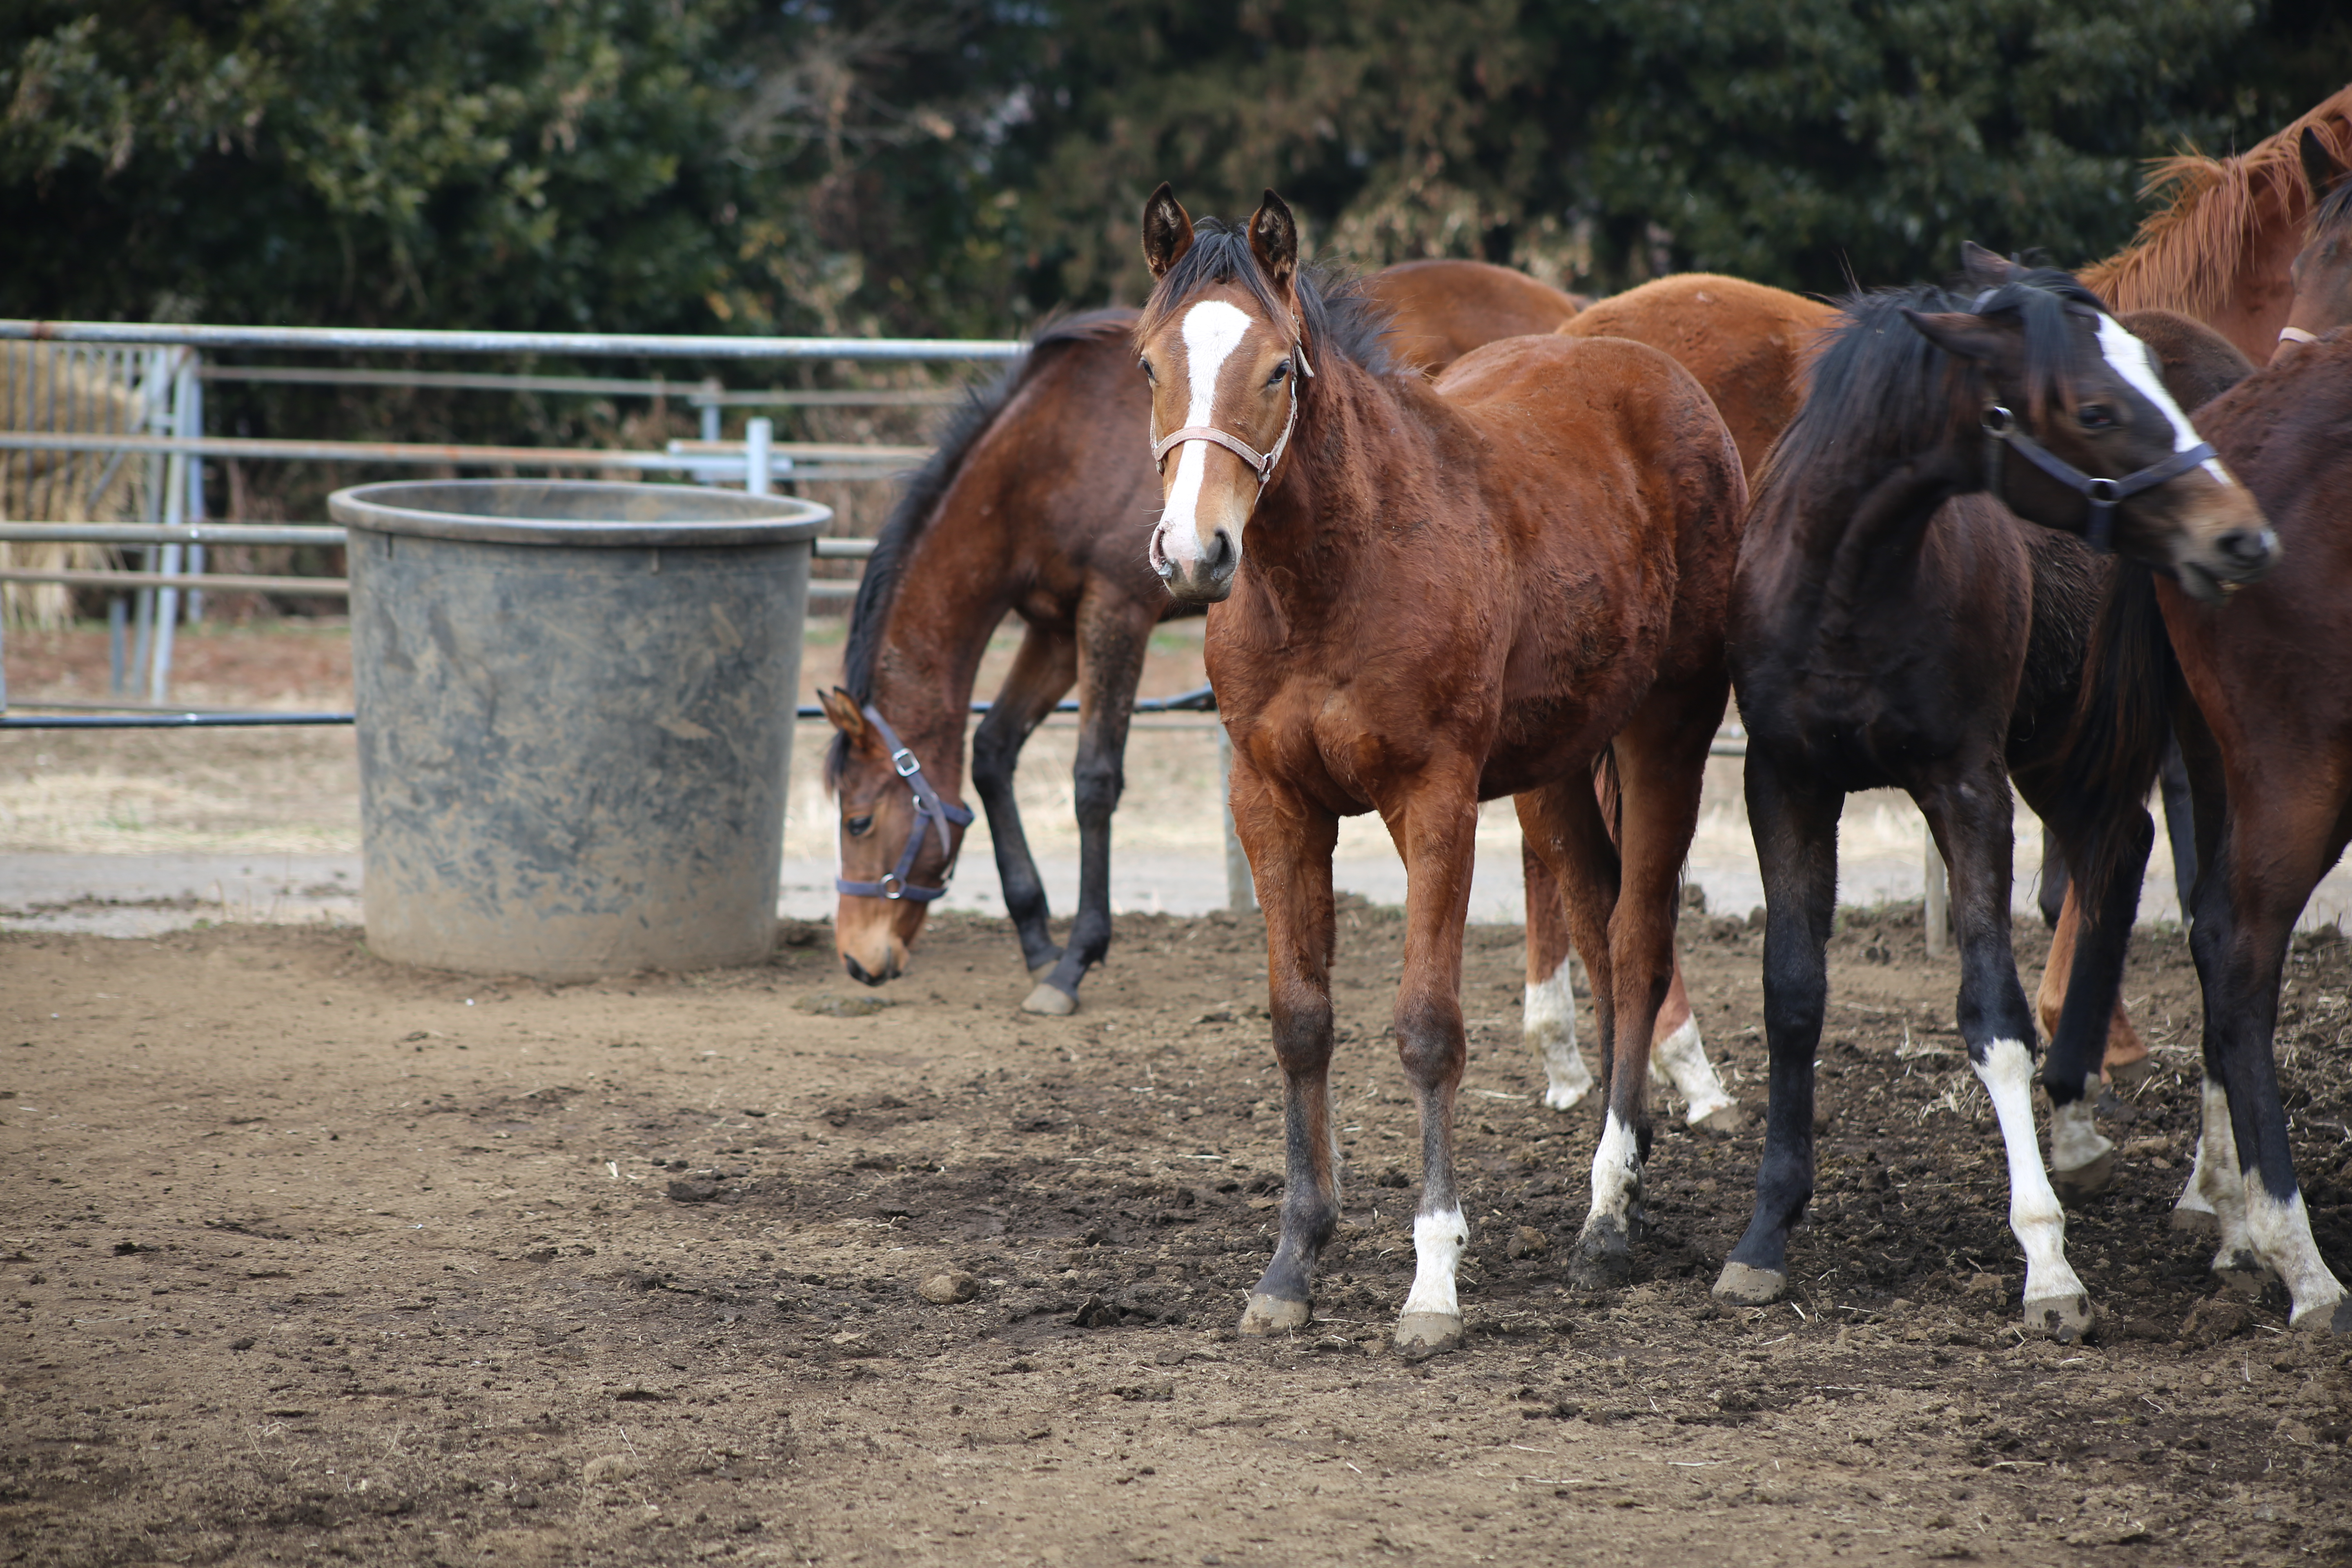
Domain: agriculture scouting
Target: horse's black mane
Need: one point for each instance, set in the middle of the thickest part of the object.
(919, 496)
(1879, 382)
(1341, 316)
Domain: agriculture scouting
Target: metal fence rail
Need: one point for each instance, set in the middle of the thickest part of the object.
(605, 345)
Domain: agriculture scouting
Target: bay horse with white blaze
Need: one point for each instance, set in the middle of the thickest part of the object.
(1034, 502)
(1892, 626)
(1423, 595)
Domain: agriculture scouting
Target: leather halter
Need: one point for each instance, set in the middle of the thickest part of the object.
(929, 809)
(2098, 532)
(1261, 463)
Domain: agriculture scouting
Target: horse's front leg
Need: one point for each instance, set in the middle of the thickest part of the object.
(1111, 664)
(1969, 812)
(1435, 830)
(1794, 817)
(1289, 842)
(1041, 670)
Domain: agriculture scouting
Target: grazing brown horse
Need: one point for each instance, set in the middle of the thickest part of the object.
(2220, 247)
(1892, 626)
(1036, 502)
(1423, 595)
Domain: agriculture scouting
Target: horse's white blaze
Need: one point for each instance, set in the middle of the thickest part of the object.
(1437, 1242)
(2074, 1138)
(1684, 1055)
(2039, 1223)
(1549, 1026)
(1616, 1172)
(2281, 1235)
(2136, 363)
(1213, 330)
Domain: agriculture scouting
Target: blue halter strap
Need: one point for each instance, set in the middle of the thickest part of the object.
(2098, 529)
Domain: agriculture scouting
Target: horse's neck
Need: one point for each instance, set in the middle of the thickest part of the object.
(1866, 527)
(1362, 437)
(955, 586)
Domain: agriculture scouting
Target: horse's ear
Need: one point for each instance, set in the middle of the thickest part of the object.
(842, 708)
(1274, 240)
(1959, 333)
(1985, 268)
(1167, 230)
(2320, 167)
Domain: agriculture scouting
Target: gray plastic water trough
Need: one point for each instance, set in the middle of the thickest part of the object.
(576, 719)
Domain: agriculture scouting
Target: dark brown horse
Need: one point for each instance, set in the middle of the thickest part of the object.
(2322, 269)
(1424, 594)
(1892, 626)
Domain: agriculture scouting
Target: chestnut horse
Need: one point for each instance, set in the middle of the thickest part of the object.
(2270, 674)
(1033, 503)
(2220, 247)
(1881, 635)
(1423, 595)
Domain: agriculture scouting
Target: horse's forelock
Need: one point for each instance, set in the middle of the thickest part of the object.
(1337, 313)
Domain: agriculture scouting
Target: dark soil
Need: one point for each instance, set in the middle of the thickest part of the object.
(310, 1257)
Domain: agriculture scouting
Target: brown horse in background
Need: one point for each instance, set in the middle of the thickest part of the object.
(2323, 267)
(1424, 594)
(2222, 248)
(1441, 309)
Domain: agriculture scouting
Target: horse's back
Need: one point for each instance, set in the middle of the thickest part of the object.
(1749, 345)
(1443, 309)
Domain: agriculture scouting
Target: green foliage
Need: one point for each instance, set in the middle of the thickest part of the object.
(960, 165)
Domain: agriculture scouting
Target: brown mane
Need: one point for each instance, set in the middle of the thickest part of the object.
(2186, 255)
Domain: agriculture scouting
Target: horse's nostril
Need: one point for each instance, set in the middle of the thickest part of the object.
(1220, 553)
(857, 971)
(2246, 546)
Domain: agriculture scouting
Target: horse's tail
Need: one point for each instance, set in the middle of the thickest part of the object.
(2123, 719)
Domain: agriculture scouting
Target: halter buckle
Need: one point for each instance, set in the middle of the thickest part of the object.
(2000, 423)
(903, 762)
(891, 885)
(2102, 491)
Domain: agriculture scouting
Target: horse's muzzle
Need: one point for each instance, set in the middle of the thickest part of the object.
(1205, 581)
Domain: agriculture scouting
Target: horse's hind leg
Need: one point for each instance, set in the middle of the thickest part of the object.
(1794, 817)
(1289, 845)
(2124, 1058)
(2299, 832)
(1041, 670)
(1111, 664)
(1661, 760)
(1969, 812)
(1549, 1020)
(2082, 1161)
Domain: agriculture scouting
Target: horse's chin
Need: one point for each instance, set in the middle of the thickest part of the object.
(2201, 584)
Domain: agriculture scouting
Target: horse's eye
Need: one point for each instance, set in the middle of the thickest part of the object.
(859, 826)
(1280, 371)
(1148, 375)
(2096, 416)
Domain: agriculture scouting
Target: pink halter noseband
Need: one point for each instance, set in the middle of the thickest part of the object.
(1261, 463)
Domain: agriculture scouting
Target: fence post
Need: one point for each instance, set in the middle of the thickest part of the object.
(196, 426)
(1241, 891)
(758, 457)
(175, 514)
(1937, 908)
(711, 415)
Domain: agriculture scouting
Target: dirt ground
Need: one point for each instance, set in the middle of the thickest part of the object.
(308, 1257)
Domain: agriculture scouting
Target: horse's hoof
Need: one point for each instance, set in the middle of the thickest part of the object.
(1052, 1000)
(1273, 1315)
(2065, 1318)
(1724, 1120)
(1605, 1256)
(2198, 1222)
(2122, 1076)
(2084, 1182)
(2324, 1317)
(1745, 1286)
(2245, 1273)
(1428, 1333)
(1557, 1099)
